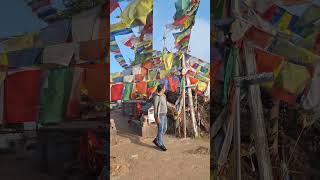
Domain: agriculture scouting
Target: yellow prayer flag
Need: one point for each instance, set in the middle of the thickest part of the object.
(202, 86)
(2, 77)
(276, 73)
(163, 73)
(284, 23)
(188, 22)
(167, 61)
(137, 10)
(118, 26)
(294, 78)
(18, 43)
(3, 59)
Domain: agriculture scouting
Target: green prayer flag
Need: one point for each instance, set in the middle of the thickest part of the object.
(152, 75)
(127, 91)
(296, 53)
(309, 16)
(153, 83)
(181, 7)
(56, 95)
(228, 75)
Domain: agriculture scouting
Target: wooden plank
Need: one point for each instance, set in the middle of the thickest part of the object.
(258, 126)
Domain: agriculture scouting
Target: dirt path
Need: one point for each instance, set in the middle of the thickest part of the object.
(136, 158)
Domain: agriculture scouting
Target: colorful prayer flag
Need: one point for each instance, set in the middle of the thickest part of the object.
(113, 5)
(138, 10)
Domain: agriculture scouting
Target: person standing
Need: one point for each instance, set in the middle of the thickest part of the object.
(160, 113)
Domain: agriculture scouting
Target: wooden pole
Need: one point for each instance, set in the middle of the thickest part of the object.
(191, 106)
(258, 126)
(237, 137)
(228, 138)
(184, 100)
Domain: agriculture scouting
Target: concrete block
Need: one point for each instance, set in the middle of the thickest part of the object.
(144, 129)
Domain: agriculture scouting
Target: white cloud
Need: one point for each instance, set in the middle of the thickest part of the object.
(200, 40)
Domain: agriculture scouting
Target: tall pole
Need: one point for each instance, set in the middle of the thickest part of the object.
(184, 99)
(257, 119)
(236, 136)
(191, 106)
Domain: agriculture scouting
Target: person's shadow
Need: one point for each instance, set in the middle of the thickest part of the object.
(136, 140)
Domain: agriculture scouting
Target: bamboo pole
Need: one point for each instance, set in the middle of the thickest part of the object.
(258, 126)
(228, 137)
(184, 100)
(237, 137)
(191, 106)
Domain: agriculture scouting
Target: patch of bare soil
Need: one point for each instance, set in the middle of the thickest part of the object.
(138, 158)
(200, 150)
(118, 166)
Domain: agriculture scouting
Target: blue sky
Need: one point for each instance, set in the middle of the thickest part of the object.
(163, 14)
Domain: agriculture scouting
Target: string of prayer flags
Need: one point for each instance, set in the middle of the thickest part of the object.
(130, 41)
(114, 48)
(181, 37)
(44, 9)
(193, 8)
(119, 32)
(287, 22)
(181, 6)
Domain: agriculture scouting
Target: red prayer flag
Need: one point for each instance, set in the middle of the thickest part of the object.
(113, 5)
(141, 87)
(116, 92)
(180, 21)
(267, 62)
(268, 14)
(183, 40)
(173, 83)
(95, 80)
(21, 96)
(39, 4)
